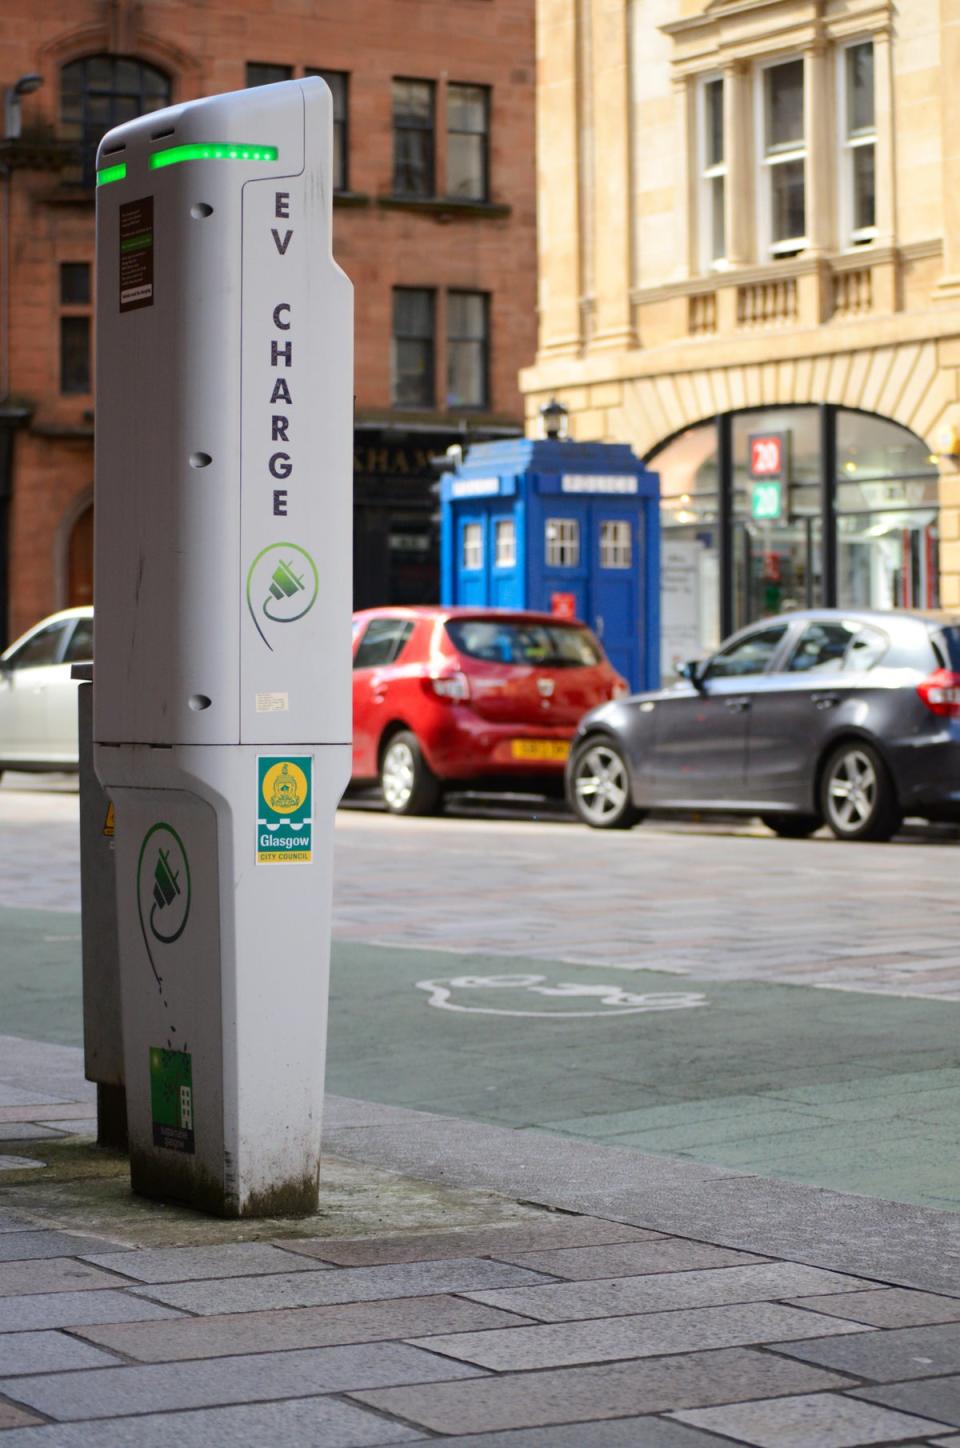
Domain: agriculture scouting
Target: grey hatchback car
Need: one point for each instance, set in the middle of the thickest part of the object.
(829, 716)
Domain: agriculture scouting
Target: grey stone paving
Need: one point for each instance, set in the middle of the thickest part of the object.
(25, 1131)
(891, 1242)
(887, 1307)
(817, 1418)
(299, 1327)
(25, 1245)
(13, 1417)
(562, 1344)
(352, 1284)
(936, 1397)
(901, 1353)
(48, 1352)
(614, 1433)
(296, 1423)
(115, 1392)
(582, 1395)
(555, 1231)
(25, 1068)
(660, 1292)
(55, 1274)
(13, 1224)
(77, 1309)
(622, 1260)
(192, 1264)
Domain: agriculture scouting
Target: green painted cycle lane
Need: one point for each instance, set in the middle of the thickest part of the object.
(853, 1091)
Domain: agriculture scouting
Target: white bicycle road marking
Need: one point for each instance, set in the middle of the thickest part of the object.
(618, 1002)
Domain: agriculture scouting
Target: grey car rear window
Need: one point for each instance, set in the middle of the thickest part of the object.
(833, 647)
(947, 643)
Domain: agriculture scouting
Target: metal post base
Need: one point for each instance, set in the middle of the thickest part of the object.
(112, 1118)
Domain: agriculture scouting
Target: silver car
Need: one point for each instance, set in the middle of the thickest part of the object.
(845, 718)
(38, 698)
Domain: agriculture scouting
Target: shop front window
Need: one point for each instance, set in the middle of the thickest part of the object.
(776, 559)
(743, 533)
(689, 560)
(887, 536)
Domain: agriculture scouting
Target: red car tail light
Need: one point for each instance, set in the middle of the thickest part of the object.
(620, 689)
(941, 693)
(454, 686)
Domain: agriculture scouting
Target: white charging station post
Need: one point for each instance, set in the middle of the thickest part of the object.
(222, 714)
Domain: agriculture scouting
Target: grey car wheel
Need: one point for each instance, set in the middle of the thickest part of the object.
(857, 795)
(599, 786)
(409, 786)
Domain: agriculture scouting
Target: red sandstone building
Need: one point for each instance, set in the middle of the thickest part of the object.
(434, 221)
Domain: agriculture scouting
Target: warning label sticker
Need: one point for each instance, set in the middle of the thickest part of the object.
(171, 1099)
(284, 809)
(136, 254)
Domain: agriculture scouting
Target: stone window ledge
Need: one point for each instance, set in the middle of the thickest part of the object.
(443, 207)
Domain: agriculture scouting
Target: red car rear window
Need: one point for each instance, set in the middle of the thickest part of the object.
(499, 641)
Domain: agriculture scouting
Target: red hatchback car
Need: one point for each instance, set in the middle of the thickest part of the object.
(475, 698)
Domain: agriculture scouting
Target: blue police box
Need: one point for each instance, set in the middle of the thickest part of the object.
(565, 527)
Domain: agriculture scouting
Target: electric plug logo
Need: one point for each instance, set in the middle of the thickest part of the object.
(282, 586)
(163, 889)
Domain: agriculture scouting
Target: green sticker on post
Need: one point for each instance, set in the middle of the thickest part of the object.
(284, 809)
(171, 1099)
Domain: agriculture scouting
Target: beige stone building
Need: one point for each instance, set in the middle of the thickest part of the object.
(750, 271)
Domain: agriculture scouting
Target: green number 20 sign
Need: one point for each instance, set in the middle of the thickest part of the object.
(765, 502)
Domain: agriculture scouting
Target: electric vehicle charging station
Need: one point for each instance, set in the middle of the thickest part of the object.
(222, 711)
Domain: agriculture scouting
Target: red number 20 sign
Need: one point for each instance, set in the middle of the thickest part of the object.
(766, 456)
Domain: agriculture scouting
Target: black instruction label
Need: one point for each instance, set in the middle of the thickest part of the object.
(136, 254)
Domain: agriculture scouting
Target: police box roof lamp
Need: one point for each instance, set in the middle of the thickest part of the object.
(450, 460)
(25, 86)
(554, 417)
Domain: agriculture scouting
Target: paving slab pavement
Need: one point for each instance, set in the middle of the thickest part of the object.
(542, 1292)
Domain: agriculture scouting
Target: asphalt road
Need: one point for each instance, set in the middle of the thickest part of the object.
(790, 1008)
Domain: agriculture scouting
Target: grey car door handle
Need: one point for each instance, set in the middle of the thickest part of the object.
(739, 706)
(825, 701)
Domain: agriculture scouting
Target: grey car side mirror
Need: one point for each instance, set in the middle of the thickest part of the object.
(693, 671)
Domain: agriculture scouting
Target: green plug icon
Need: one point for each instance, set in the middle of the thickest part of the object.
(166, 882)
(285, 582)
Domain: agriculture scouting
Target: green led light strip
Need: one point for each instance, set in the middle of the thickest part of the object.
(111, 173)
(209, 151)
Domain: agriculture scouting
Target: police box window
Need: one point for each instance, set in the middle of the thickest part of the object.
(337, 81)
(562, 540)
(413, 347)
(472, 555)
(505, 543)
(616, 544)
(102, 91)
(413, 145)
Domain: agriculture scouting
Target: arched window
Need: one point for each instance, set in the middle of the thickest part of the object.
(80, 560)
(102, 91)
(743, 540)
